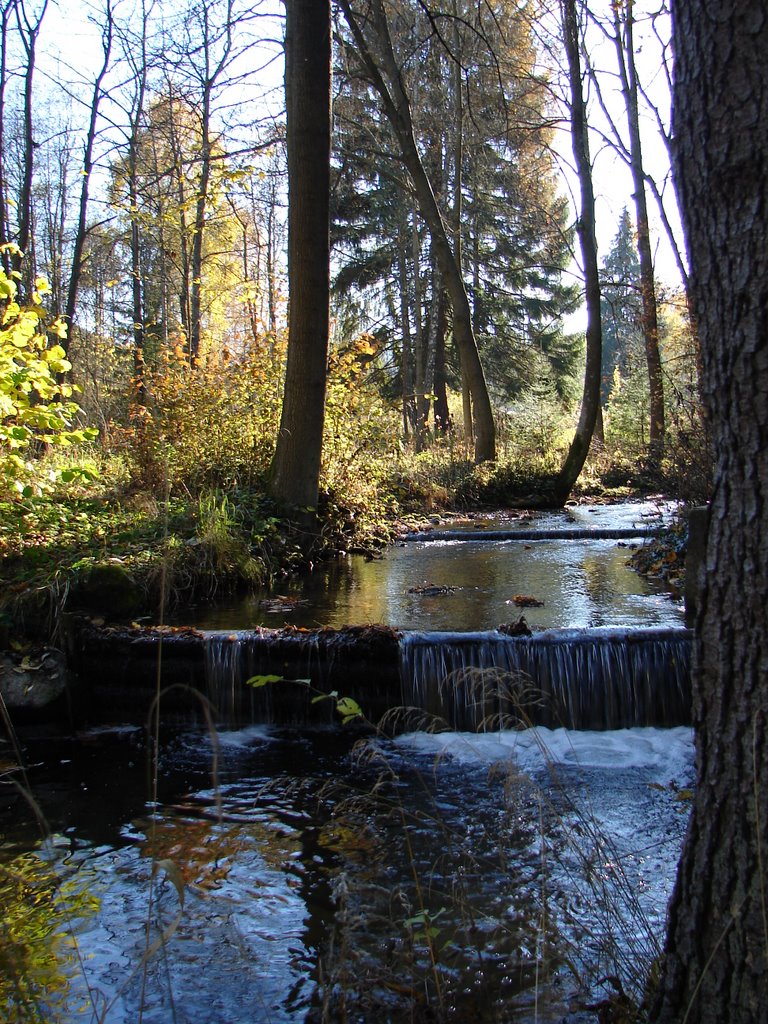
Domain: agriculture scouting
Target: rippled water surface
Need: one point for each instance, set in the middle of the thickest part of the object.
(287, 877)
(313, 876)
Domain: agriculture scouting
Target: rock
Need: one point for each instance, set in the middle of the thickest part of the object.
(33, 683)
(109, 589)
(518, 628)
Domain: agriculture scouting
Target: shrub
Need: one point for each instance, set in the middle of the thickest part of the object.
(36, 407)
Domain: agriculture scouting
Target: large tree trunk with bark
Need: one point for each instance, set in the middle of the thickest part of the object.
(716, 961)
(296, 466)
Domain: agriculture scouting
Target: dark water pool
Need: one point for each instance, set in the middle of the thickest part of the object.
(311, 877)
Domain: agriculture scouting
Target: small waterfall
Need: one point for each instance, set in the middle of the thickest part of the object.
(231, 658)
(356, 662)
(224, 675)
(582, 679)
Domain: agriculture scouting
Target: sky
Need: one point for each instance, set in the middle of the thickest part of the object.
(71, 37)
(611, 176)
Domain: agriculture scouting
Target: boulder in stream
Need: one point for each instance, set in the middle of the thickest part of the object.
(34, 684)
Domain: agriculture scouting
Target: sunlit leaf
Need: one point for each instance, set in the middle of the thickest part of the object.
(348, 709)
(265, 680)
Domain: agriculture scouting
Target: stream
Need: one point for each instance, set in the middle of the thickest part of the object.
(471, 584)
(272, 874)
(310, 875)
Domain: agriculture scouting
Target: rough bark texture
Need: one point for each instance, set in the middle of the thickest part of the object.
(296, 468)
(716, 964)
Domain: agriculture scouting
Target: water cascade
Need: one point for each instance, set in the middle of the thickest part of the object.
(580, 679)
(627, 663)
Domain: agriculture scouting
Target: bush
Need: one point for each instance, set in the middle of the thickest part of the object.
(211, 425)
(36, 407)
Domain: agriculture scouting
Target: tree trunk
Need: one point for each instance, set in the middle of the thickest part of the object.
(296, 465)
(177, 169)
(716, 961)
(649, 321)
(442, 412)
(426, 374)
(397, 108)
(81, 231)
(209, 75)
(590, 400)
(137, 283)
(406, 359)
(5, 232)
(29, 30)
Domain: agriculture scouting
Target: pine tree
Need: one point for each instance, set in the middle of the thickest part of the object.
(494, 180)
(620, 306)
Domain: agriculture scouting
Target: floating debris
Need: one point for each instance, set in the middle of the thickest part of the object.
(526, 601)
(431, 590)
(281, 603)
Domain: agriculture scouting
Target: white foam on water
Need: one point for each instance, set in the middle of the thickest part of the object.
(668, 752)
(250, 736)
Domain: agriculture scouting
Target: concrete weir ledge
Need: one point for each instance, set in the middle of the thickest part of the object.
(587, 679)
(559, 533)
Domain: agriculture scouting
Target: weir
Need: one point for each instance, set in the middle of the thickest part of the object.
(560, 533)
(582, 679)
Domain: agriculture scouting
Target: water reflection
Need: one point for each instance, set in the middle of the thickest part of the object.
(580, 584)
(42, 908)
(317, 879)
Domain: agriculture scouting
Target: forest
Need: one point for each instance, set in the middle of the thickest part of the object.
(145, 203)
(275, 281)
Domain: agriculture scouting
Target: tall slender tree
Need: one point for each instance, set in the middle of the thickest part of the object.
(620, 304)
(29, 23)
(624, 42)
(81, 227)
(297, 460)
(371, 34)
(590, 401)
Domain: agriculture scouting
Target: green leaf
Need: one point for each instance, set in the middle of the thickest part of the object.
(257, 681)
(348, 709)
